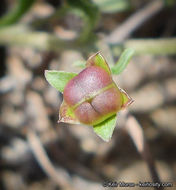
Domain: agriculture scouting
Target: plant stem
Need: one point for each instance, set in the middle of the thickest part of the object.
(44, 161)
(136, 133)
(153, 46)
(22, 36)
(122, 32)
(164, 46)
(14, 15)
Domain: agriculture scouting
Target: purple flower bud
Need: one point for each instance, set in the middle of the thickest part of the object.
(92, 96)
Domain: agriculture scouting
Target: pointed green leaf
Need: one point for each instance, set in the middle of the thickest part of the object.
(58, 79)
(106, 128)
(123, 61)
(98, 60)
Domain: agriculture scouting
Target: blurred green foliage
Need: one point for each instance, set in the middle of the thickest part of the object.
(90, 15)
(90, 12)
(14, 15)
(112, 6)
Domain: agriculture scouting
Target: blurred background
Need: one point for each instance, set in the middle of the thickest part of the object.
(37, 153)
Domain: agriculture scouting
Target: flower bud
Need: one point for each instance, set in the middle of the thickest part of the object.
(92, 96)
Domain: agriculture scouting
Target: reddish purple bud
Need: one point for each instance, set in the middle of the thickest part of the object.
(92, 96)
(88, 81)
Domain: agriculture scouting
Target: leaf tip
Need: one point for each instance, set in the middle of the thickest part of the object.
(127, 100)
(107, 140)
(46, 73)
(90, 60)
(61, 120)
(97, 59)
(105, 129)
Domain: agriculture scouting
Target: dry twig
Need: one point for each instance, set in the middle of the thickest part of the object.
(132, 23)
(44, 162)
(136, 133)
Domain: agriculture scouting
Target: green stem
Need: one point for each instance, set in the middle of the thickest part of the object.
(153, 46)
(89, 14)
(23, 36)
(14, 15)
(163, 46)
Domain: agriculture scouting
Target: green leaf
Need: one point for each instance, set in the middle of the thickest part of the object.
(112, 6)
(17, 12)
(58, 79)
(98, 60)
(106, 128)
(123, 61)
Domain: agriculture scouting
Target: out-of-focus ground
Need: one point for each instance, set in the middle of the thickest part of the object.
(79, 156)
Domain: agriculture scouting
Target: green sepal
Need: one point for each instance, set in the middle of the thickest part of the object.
(126, 99)
(66, 115)
(123, 61)
(106, 128)
(58, 79)
(98, 60)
